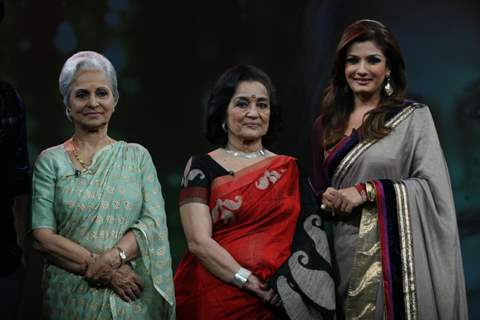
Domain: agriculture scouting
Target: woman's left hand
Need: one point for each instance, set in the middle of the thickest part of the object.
(271, 296)
(276, 301)
(126, 283)
(99, 271)
(260, 289)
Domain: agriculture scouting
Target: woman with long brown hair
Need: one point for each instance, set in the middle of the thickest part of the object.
(381, 176)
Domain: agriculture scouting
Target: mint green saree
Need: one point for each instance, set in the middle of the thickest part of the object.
(95, 208)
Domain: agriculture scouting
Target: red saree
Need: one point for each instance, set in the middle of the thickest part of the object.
(254, 214)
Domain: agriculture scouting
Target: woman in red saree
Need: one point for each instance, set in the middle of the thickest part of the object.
(257, 249)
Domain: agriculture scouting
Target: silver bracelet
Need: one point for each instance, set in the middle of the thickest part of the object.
(241, 277)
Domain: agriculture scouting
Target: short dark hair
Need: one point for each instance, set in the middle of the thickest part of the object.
(222, 94)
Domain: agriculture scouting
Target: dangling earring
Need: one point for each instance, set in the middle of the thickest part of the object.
(224, 127)
(68, 113)
(388, 87)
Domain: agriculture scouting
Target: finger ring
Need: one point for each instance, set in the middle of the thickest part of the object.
(323, 206)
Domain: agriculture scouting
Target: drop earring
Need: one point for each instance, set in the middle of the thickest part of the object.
(388, 87)
(68, 113)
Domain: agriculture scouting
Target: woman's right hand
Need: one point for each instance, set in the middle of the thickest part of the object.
(328, 198)
(126, 283)
(341, 200)
(100, 268)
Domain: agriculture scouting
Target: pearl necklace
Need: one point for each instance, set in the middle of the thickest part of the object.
(248, 155)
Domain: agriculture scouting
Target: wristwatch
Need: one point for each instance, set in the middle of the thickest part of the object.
(241, 277)
(122, 254)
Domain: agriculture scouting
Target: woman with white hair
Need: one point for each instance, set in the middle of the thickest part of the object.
(97, 211)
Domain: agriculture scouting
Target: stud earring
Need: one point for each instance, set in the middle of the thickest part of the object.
(388, 87)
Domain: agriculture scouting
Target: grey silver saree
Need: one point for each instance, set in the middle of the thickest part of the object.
(397, 257)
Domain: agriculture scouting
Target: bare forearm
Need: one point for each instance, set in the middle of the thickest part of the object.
(63, 252)
(73, 267)
(197, 225)
(216, 259)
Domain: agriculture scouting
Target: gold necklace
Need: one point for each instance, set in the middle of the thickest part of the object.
(76, 155)
(84, 165)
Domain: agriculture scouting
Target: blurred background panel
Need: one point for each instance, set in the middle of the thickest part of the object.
(169, 53)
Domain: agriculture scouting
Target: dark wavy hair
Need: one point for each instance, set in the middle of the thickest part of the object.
(337, 103)
(222, 94)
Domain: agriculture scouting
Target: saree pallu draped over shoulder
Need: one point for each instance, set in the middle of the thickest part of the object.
(397, 257)
(254, 214)
(119, 192)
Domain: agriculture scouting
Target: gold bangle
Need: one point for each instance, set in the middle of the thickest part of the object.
(371, 192)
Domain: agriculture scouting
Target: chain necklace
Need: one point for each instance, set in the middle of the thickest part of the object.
(76, 155)
(248, 155)
(84, 165)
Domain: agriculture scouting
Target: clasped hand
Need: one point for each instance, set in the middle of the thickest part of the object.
(261, 290)
(108, 271)
(341, 200)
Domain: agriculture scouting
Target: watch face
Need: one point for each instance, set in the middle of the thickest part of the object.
(122, 254)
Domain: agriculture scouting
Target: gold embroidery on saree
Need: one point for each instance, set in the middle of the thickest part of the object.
(352, 156)
(373, 250)
(369, 309)
(367, 269)
(370, 277)
(406, 250)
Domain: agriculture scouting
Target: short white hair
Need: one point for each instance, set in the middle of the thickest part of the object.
(84, 60)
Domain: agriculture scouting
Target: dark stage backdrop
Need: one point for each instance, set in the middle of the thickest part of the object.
(168, 54)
